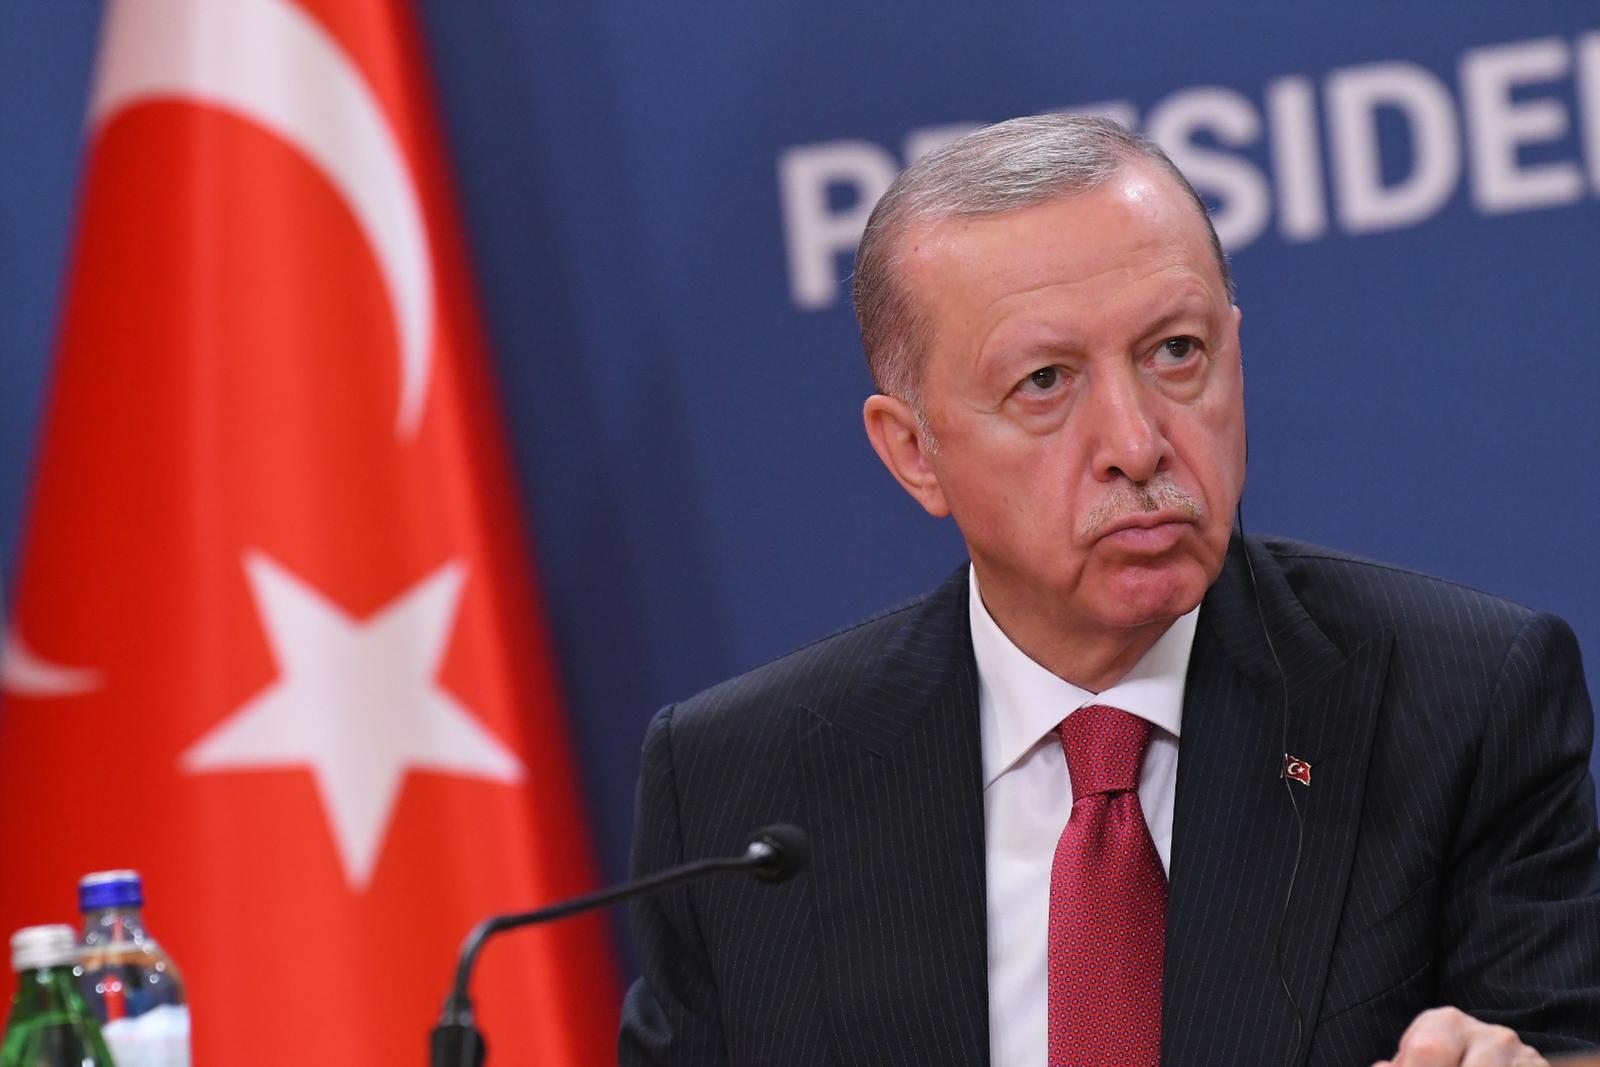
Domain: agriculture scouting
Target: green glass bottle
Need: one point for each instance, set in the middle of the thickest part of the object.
(49, 1025)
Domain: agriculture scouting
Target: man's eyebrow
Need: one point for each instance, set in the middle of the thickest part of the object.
(1186, 306)
(1026, 344)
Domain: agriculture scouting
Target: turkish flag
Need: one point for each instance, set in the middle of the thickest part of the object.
(276, 642)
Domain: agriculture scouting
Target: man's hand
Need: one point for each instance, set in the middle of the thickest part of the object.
(1448, 1037)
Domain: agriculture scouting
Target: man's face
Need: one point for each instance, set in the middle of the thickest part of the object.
(1084, 390)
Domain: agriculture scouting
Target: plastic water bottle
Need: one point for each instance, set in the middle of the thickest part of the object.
(50, 1026)
(130, 984)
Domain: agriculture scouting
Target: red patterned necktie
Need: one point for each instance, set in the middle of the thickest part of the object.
(1108, 902)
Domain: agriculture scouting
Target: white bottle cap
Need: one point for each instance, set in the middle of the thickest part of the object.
(43, 946)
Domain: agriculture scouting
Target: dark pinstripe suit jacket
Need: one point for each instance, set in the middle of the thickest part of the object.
(1449, 856)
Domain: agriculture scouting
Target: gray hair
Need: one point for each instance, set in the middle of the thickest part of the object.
(1004, 167)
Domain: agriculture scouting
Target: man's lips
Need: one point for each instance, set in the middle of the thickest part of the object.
(1154, 531)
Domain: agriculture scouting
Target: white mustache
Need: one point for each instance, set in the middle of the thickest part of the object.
(1158, 494)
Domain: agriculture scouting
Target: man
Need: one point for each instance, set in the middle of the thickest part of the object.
(1313, 800)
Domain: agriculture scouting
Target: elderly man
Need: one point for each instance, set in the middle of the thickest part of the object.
(1131, 786)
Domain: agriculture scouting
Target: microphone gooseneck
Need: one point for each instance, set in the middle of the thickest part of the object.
(774, 854)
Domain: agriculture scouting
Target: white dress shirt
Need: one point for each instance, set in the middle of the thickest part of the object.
(1027, 796)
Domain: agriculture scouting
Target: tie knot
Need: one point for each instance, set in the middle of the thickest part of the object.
(1105, 749)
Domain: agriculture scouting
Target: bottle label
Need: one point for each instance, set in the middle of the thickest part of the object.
(158, 1038)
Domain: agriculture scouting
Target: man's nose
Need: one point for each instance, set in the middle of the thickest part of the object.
(1128, 438)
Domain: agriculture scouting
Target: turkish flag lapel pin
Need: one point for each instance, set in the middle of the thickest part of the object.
(1297, 769)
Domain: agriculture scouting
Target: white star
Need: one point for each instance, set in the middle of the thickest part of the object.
(356, 702)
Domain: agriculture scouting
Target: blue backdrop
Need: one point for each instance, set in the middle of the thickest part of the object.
(662, 199)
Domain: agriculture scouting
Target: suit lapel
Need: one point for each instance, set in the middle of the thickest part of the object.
(892, 780)
(1236, 834)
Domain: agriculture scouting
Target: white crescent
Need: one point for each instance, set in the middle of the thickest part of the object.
(269, 62)
(24, 673)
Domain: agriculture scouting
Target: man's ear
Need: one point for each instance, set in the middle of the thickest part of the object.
(904, 446)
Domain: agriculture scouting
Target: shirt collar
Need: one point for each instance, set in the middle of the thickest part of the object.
(1020, 701)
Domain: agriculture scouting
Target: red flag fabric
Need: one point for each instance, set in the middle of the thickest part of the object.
(275, 641)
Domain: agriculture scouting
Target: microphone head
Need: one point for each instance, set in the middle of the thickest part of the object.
(787, 850)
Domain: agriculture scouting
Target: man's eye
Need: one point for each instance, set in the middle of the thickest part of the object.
(1177, 349)
(1044, 378)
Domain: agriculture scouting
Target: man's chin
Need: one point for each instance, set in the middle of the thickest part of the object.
(1139, 595)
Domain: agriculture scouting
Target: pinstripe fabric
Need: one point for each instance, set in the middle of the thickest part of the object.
(1449, 839)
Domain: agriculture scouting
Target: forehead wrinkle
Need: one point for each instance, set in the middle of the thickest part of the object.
(1188, 295)
(1025, 278)
(983, 252)
(1184, 295)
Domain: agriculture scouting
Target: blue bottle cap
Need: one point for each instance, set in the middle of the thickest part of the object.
(110, 889)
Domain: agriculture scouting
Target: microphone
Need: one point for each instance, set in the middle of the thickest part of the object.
(774, 854)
